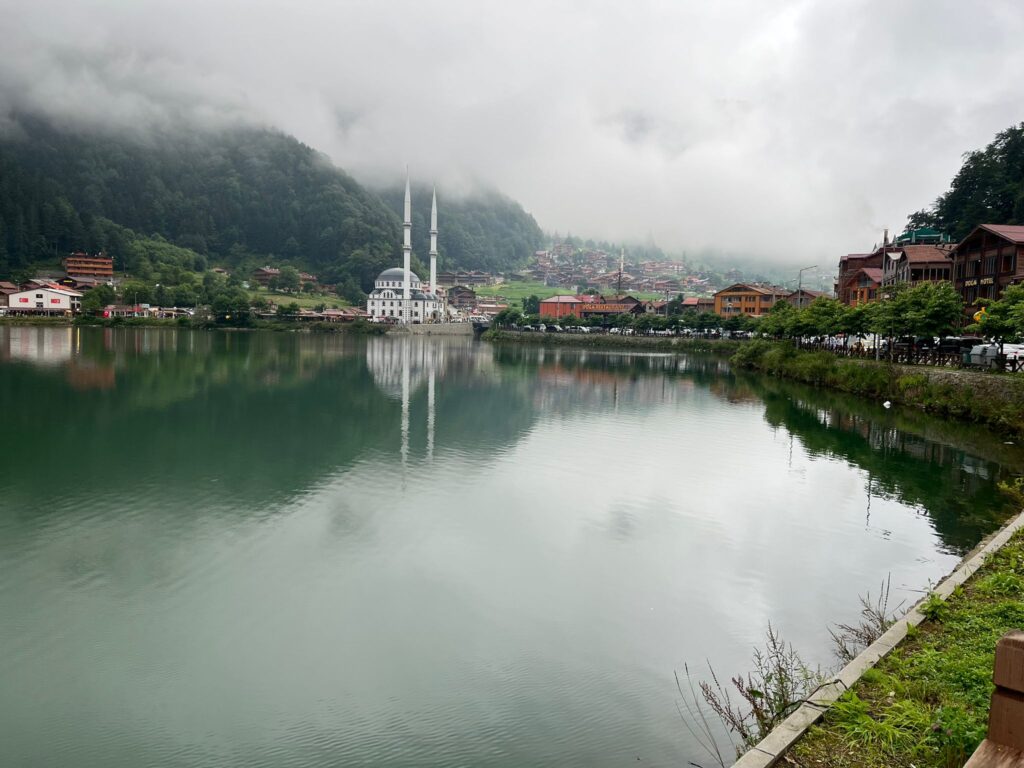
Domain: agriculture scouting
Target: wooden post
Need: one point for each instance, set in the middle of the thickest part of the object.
(1004, 747)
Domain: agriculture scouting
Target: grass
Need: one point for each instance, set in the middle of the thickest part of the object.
(991, 399)
(926, 703)
(304, 300)
(516, 291)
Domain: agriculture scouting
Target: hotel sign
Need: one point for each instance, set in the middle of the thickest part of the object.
(617, 309)
(987, 280)
(969, 283)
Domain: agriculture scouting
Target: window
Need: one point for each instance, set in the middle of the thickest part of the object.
(39, 295)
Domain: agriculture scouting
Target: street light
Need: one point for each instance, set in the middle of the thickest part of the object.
(800, 285)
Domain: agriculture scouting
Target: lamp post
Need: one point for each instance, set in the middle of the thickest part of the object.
(800, 285)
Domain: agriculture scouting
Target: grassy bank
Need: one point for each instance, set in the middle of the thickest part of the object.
(608, 341)
(994, 400)
(926, 703)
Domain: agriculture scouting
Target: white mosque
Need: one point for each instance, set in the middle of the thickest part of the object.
(397, 292)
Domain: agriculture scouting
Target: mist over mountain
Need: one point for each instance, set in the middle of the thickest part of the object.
(233, 196)
(484, 230)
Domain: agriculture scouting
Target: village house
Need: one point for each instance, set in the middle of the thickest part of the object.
(861, 286)
(461, 277)
(461, 297)
(6, 289)
(918, 263)
(560, 306)
(48, 300)
(698, 304)
(988, 260)
(802, 297)
(264, 275)
(81, 264)
(747, 299)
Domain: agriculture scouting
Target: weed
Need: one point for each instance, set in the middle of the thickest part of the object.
(850, 639)
(754, 704)
(933, 608)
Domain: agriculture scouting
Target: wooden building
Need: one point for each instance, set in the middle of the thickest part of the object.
(6, 289)
(560, 306)
(915, 264)
(747, 299)
(990, 258)
(860, 287)
(81, 264)
(461, 296)
(802, 297)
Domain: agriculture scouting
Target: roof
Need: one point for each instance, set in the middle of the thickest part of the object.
(53, 289)
(767, 290)
(8, 287)
(808, 292)
(873, 272)
(917, 254)
(561, 300)
(397, 273)
(1012, 232)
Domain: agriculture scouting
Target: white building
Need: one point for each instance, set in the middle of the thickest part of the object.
(397, 292)
(388, 298)
(44, 301)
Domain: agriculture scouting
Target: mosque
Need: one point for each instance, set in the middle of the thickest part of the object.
(397, 292)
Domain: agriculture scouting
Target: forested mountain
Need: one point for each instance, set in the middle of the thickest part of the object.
(485, 231)
(988, 189)
(239, 197)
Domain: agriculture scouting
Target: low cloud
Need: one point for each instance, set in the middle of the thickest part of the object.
(784, 131)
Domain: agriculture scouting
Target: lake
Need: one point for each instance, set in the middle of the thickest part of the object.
(260, 549)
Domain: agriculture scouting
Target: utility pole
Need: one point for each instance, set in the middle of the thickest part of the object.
(800, 285)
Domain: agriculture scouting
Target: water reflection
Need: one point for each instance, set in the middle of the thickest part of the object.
(267, 549)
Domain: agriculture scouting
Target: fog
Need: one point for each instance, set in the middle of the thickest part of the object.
(783, 131)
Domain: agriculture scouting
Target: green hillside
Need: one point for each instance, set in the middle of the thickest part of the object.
(238, 198)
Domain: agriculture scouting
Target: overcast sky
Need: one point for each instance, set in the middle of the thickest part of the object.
(792, 131)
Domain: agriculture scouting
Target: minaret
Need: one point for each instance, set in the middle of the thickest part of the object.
(407, 253)
(433, 244)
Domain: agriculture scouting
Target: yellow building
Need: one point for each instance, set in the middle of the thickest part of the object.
(748, 299)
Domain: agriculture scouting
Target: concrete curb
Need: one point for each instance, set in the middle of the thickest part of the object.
(770, 749)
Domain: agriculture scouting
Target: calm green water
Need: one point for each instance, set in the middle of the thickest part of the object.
(289, 550)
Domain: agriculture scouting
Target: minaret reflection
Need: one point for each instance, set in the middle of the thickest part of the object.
(400, 365)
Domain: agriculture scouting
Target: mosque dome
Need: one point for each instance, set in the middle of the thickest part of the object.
(397, 273)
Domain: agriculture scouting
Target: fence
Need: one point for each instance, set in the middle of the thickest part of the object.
(906, 355)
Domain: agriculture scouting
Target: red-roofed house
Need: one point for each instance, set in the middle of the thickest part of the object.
(698, 304)
(560, 306)
(917, 264)
(990, 258)
(861, 286)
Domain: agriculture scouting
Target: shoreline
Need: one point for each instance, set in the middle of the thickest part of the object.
(859, 693)
(994, 400)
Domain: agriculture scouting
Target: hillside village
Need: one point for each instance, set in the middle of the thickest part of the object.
(567, 280)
